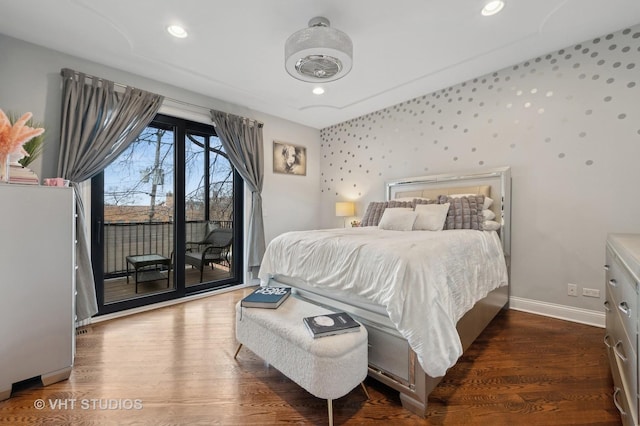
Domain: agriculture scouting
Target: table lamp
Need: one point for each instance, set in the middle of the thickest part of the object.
(345, 209)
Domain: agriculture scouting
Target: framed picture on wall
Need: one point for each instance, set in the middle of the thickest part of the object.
(289, 159)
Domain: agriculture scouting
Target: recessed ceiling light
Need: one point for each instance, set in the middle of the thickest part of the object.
(492, 7)
(177, 31)
(318, 90)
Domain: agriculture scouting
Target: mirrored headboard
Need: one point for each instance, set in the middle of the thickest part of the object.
(494, 183)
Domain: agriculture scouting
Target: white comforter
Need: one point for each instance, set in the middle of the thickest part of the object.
(426, 280)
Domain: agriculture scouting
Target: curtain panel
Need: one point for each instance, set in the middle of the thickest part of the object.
(97, 124)
(242, 141)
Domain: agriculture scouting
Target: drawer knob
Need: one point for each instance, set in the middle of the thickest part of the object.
(606, 341)
(617, 404)
(606, 267)
(618, 353)
(606, 306)
(613, 282)
(624, 308)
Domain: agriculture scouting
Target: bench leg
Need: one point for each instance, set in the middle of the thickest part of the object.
(330, 407)
(365, 390)
(238, 350)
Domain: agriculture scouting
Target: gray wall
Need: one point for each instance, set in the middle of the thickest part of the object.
(568, 124)
(30, 81)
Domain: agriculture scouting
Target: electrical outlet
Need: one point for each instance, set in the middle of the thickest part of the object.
(591, 292)
(572, 289)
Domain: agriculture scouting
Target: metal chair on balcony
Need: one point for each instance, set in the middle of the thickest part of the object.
(214, 248)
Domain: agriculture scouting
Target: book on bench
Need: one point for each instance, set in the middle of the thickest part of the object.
(266, 297)
(330, 324)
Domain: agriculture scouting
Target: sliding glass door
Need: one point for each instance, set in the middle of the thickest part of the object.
(166, 217)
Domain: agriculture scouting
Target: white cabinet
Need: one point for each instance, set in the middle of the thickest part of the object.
(37, 284)
(621, 306)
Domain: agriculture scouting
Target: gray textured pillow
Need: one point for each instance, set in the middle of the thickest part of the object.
(417, 201)
(375, 209)
(464, 212)
(393, 203)
(373, 213)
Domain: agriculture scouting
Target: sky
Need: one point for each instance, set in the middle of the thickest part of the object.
(128, 180)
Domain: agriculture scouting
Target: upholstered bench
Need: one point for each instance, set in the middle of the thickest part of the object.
(327, 367)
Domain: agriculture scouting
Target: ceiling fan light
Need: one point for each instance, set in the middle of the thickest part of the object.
(318, 53)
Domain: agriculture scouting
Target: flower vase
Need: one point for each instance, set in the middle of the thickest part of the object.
(4, 170)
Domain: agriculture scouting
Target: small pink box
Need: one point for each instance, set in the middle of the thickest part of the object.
(56, 182)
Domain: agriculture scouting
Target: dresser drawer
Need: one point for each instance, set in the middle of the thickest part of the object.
(627, 366)
(612, 321)
(621, 400)
(621, 314)
(623, 295)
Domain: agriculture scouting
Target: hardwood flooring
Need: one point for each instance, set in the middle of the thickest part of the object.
(175, 366)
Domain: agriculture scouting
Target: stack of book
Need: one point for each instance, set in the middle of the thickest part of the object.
(23, 175)
(266, 297)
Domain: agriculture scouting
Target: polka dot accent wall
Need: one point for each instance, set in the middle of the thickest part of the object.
(557, 110)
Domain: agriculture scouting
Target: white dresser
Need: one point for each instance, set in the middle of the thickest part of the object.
(621, 306)
(37, 284)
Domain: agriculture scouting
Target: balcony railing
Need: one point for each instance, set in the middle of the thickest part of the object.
(136, 238)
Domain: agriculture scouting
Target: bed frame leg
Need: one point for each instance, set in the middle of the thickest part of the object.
(413, 405)
(330, 408)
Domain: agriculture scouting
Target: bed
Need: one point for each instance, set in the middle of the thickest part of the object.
(386, 278)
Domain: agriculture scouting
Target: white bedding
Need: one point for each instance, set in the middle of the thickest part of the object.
(426, 280)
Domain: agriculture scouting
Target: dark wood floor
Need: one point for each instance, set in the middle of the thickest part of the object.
(175, 366)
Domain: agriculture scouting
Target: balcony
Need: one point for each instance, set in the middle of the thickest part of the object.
(122, 239)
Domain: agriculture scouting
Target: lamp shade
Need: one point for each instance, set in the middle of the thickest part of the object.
(345, 209)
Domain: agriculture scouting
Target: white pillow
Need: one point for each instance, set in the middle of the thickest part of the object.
(488, 214)
(431, 217)
(490, 225)
(487, 201)
(397, 219)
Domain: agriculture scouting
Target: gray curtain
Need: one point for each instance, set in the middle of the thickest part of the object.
(98, 123)
(242, 141)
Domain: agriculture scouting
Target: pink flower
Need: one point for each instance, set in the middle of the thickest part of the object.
(12, 137)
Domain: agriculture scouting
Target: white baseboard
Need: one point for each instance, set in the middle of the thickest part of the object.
(568, 313)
